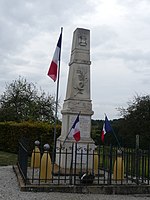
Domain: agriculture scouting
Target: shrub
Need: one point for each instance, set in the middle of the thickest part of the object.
(12, 132)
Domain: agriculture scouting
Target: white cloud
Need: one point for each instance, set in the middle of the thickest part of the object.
(119, 46)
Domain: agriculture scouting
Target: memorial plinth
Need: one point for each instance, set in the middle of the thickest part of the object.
(77, 100)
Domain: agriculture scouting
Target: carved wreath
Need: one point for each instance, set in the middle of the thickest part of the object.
(80, 83)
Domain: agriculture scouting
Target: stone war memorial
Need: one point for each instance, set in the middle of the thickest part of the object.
(77, 165)
(78, 100)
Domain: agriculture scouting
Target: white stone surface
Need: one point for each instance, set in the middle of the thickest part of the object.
(78, 96)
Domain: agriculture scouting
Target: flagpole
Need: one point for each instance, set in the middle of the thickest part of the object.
(114, 135)
(56, 105)
(116, 138)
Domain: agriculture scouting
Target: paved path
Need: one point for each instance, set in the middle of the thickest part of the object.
(9, 190)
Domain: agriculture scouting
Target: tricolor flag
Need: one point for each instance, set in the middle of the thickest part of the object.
(106, 128)
(76, 130)
(53, 69)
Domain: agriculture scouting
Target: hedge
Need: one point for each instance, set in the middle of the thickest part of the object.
(12, 132)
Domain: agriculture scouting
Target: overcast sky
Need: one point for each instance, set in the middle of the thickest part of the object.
(120, 46)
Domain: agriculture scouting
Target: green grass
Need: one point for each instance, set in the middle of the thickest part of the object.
(7, 158)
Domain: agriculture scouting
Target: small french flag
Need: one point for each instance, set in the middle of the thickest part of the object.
(106, 128)
(76, 130)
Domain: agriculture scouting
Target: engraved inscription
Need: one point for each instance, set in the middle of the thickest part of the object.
(85, 126)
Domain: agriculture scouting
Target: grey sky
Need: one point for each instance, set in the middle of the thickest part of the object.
(120, 46)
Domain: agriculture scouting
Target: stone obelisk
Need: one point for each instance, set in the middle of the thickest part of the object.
(78, 97)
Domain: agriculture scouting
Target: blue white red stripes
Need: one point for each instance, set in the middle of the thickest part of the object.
(53, 69)
(76, 129)
(106, 128)
(103, 133)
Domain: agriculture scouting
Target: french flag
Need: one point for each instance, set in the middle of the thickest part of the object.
(76, 130)
(106, 128)
(53, 69)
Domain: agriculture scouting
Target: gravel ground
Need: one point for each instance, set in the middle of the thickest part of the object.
(9, 190)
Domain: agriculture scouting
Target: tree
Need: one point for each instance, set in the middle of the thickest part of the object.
(136, 121)
(22, 101)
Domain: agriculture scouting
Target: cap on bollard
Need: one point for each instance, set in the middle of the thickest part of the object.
(46, 147)
(37, 143)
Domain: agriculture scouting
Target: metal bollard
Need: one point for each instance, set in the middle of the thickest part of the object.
(46, 165)
(36, 155)
(118, 174)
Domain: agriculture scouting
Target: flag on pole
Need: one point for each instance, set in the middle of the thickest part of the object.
(53, 69)
(75, 129)
(106, 128)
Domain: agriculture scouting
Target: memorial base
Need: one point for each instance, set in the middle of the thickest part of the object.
(75, 155)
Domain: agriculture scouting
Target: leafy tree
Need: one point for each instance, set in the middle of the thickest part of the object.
(136, 120)
(97, 126)
(22, 101)
(96, 131)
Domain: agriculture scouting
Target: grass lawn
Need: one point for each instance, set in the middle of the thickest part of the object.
(7, 158)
